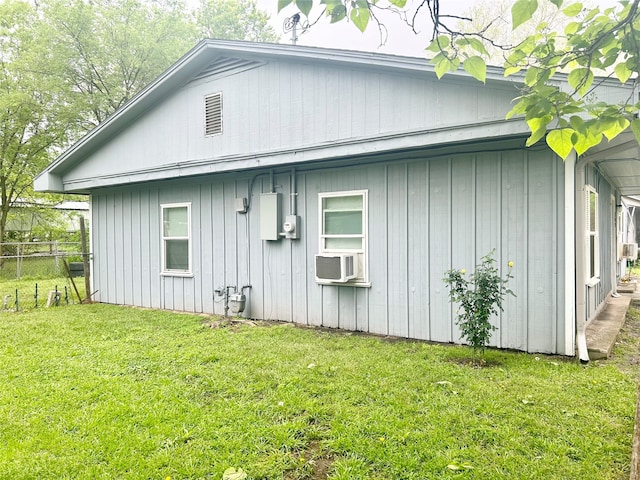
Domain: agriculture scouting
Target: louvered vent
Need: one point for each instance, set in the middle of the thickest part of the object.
(213, 114)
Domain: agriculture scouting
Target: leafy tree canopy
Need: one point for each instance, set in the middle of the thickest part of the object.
(591, 43)
(234, 19)
(34, 113)
(67, 65)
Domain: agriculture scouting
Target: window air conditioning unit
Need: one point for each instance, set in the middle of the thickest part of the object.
(630, 251)
(335, 267)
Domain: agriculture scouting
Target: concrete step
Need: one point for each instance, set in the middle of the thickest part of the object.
(603, 330)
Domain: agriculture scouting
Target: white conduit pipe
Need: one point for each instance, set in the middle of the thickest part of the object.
(580, 293)
(569, 256)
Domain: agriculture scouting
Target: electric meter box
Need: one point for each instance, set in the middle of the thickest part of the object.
(270, 221)
(291, 227)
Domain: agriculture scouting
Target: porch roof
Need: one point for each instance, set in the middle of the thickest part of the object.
(619, 162)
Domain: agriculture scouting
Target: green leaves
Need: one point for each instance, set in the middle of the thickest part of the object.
(581, 80)
(465, 49)
(439, 44)
(357, 10)
(614, 127)
(479, 296)
(283, 3)
(573, 10)
(623, 73)
(522, 11)
(476, 67)
(445, 64)
(304, 6)
(360, 15)
(560, 141)
(473, 44)
(538, 127)
(635, 128)
(583, 142)
(589, 42)
(581, 135)
(335, 9)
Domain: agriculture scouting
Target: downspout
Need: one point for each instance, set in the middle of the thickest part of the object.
(570, 255)
(581, 301)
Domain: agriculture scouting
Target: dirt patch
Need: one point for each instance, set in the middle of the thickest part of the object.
(232, 322)
(314, 464)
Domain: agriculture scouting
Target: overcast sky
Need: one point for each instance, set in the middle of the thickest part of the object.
(401, 40)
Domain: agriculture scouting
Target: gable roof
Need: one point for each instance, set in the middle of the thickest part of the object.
(220, 57)
(217, 57)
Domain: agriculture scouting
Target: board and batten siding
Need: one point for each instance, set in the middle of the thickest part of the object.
(283, 107)
(426, 215)
(596, 295)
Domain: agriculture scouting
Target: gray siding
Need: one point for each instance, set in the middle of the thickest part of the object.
(283, 107)
(597, 294)
(426, 215)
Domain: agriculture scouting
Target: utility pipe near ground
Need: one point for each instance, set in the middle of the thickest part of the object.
(570, 255)
(580, 256)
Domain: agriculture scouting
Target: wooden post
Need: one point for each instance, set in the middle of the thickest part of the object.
(85, 262)
(66, 266)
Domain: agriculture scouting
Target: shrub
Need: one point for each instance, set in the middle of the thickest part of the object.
(480, 295)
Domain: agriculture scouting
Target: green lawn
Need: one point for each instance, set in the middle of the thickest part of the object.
(96, 391)
(28, 291)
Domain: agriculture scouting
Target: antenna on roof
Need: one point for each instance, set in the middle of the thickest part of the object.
(291, 24)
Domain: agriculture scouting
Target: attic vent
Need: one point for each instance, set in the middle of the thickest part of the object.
(213, 114)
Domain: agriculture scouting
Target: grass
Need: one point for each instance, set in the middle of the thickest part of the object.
(97, 391)
(30, 290)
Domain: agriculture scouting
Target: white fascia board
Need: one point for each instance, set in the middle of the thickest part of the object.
(630, 200)
(333, 150)
(48, 182)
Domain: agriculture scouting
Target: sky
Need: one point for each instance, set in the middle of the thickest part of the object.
(401, 40)
(344, 35)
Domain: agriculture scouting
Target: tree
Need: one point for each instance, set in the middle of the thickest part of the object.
(111, 49)
(67, 65)
(494, 21)
(34, 116)
(108, 50)
(595, 41)
(234, 20)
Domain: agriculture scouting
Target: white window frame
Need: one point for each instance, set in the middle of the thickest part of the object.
(176, 272)
(362, 254)
(592, 237)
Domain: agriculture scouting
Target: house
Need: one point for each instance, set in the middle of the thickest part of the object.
(28, 218)
(337, 188)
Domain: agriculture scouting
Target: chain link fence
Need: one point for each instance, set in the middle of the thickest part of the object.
(40, 274)
(38, 260)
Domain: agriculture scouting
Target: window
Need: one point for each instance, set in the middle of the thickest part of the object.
(593, 241)
(176, 238)
(344, 227)
(213, 114)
